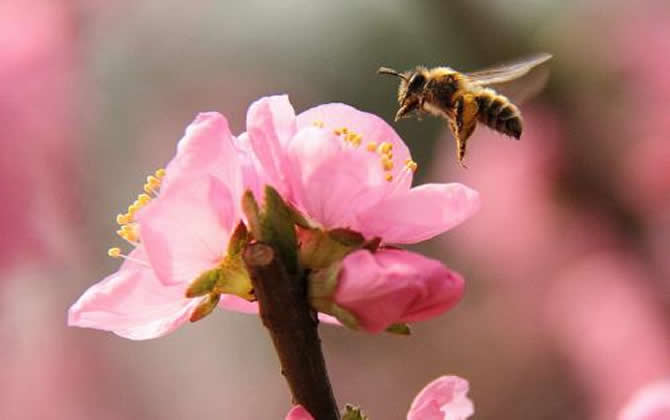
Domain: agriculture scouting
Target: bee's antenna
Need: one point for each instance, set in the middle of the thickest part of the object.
(386, 70)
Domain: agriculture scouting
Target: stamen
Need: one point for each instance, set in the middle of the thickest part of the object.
(388, 177)
(160, 173)
(114, 252)
(387, 164)
(122, 219)
(337, 131)
(372, 146)
(385, 147)
(319, 124)
(411, 165)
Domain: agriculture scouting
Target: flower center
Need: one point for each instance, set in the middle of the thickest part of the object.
(384, 150)
(128, 229)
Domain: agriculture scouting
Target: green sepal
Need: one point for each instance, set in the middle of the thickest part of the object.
(203, 284)
(353, 413)
(252, 212)
(321, 285)
(277, 229)
(234, 278)
(205, 307)
(238, 240)
(320, 249)
(298, 218)
(399, 329)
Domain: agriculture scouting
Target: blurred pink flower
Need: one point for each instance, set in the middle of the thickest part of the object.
(445, 398)
(38, 76)
(395, 286)
(652, 402)
(346, 168)
(180, 234)
(601, 305)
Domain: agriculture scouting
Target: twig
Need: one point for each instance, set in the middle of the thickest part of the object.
(292, 324)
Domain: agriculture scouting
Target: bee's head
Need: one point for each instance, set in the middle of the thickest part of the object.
(410, 90)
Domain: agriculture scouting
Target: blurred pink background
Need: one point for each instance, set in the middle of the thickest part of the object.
(567, 265)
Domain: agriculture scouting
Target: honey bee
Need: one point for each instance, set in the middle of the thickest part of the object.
(464, 99)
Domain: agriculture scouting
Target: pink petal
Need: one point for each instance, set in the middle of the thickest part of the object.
(443, 399)
(186, 230)
(299, 413)
(132, 303)
(369, 126)
(652, 402)
(330, 180)
(419, 214)
(393, 286)
(237, 304)
(206, 148)
(270, 126)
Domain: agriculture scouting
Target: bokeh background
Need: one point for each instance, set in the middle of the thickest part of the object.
(567, 308)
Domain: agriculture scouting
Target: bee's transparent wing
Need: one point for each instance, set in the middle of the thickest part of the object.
(506, 72)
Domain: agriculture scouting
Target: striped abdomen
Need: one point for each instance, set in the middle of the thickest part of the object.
(497, 112)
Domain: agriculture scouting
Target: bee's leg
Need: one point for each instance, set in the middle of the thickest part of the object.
(465, 123)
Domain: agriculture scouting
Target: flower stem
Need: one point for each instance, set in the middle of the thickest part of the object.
(292, 324)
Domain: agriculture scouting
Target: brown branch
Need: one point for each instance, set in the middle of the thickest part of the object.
(292, 324)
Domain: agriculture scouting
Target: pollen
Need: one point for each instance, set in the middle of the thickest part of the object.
(318, 123)
(114, 252)
(372, 146)
(129, 230)
(387, 164)
(388, 177)
(411, 165)
(385, 147)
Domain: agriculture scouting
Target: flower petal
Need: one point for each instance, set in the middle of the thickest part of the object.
(186, 230)
(395, 286)
(419, 214)
(443, 399)
(298, 412)
(369, 126)
(330, 180)
(132, 303)
(651, 402)
(206, 148)
(270, 126)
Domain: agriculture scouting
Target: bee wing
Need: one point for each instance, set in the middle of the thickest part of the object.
(506, 72)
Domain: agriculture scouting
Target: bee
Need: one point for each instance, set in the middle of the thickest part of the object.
(463, 99)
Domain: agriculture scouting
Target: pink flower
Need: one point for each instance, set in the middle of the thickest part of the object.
(443, 399)
(390, 286)
(346, 168)
(181, 233)
(652, 402)
(298, 412)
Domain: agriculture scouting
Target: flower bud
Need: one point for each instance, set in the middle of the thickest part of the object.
(374, 291)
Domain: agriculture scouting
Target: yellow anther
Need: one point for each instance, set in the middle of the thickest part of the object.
(318, 123)
(160, 173)
(153, 181)
(345, 130)
(337, 131)
(389, 155)
(127, 228)
(411, 165)
(372, 146)
(385, 147)
(350, 137)
(122, 219)
(148, 189)
(388, 177)
(132, 209)
(143, 199)
(114, 252)
(387, 164)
